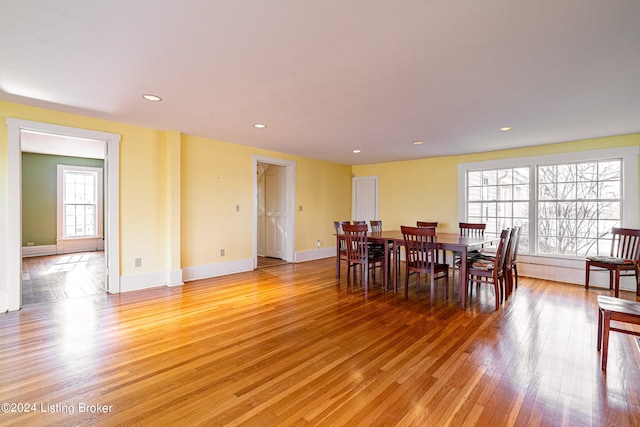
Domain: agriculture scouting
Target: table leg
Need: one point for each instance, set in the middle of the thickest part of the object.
(462, 277)
(337, 257)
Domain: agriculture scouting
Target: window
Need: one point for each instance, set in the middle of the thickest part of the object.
(79, 202)
(578, 204)
(500, 199)
(566, 204)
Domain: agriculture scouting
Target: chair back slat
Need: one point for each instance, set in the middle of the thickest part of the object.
(356, 240)
(419, 246)
(626, 243)
(469, 229)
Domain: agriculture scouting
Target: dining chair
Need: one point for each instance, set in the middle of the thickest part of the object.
(624, 257)
(431, 224)
(471, 229)
(419, 243)
(359, 222)
(427, 224)
(490, 271)
(514, 259)
(342, 247)
(358, 253)
(468, 229)
(512, 242)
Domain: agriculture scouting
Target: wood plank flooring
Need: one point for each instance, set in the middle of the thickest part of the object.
(57, 277)
(293, 346)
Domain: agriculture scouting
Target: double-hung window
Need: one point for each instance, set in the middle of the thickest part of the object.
(79, 202)
(566, 204)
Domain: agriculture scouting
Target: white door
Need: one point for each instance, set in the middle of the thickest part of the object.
(365, 198)
(274, 211)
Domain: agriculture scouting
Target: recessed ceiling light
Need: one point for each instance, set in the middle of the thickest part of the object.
(356, 151)
(259, 126)
(153, 98)
(417, 142)
(506, 128)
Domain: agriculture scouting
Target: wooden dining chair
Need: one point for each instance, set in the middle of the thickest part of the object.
(358, 253)
(471, 229)
(419, 243)
(433, 224)
(468, 229)
(342, 246)
(488, 271)
(624, 258)
(514, 260)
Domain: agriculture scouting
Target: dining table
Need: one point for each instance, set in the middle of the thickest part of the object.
(447, 242)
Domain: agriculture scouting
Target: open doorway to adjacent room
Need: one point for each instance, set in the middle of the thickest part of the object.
(62, 217)
(275, 190)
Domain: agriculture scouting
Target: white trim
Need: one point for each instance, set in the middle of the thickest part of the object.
(290, 203)
(565, 269)
(61, 169)
(218, 269)
(314, 254)
(39, 250)
(13, 275)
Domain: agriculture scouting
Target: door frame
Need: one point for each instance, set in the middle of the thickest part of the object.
(14, 218)
(289, 206)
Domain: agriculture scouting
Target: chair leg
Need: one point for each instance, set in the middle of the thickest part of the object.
(617, 284)
(586, 279)
(515, 270)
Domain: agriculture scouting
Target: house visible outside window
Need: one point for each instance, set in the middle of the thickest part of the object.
(500, 199)
(79, 202)
(566, 204)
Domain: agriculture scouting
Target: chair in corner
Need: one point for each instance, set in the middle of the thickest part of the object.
(358, 253)
(419, 243)
(623, 258)
(491, 271)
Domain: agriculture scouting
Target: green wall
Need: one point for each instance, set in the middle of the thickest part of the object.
(39, 175)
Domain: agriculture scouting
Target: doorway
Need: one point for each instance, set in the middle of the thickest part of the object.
(110, 143)
(274, 213)
(62, 218)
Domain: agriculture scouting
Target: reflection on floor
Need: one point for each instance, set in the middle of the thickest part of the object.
(57, 277)
(264, 261)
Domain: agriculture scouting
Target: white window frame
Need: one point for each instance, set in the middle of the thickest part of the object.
(629, 156)
(60, 201)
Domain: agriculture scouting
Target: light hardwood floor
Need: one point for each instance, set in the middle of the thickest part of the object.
(291, 345)
(57, 277)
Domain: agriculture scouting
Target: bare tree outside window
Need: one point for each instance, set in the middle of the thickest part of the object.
(578, 204)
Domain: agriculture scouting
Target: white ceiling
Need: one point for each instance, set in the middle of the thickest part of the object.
(331, 76)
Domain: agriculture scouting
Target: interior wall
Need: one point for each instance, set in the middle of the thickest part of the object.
(39, 195)
(427, 189)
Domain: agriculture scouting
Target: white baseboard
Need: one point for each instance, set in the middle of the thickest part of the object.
(217, 269)
(313, 254)
(65, 246)
(40, 250)
(568, 271)
(4, 301)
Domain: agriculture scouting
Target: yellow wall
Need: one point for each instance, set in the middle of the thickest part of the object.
(213, 178)
(217, 177)
(427, 189)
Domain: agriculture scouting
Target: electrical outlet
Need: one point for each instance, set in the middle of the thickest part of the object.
(221, 252)
(318, 243)
(138, 262)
